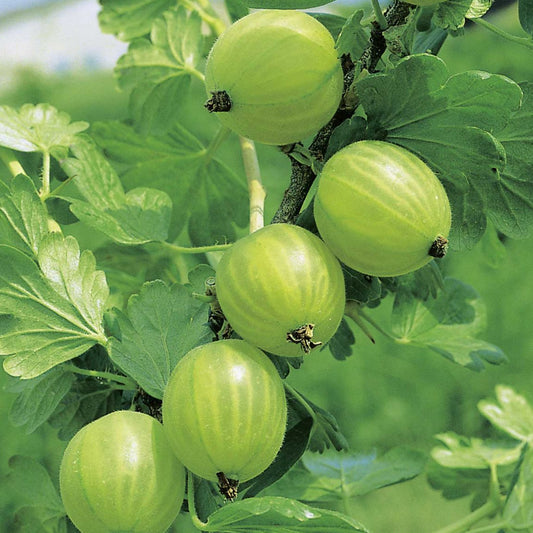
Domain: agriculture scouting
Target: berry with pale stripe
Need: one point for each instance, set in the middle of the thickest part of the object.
(224, 411)
(282, 290)
(274, 76)
(120, 474)
(381, 210)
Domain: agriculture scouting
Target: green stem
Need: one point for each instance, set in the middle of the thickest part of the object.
(11, 162)
(492, 505)
(197, 522)
(220, 137)
(45, 190)
(464, 524)
(353, 310)
(380, 17)
(45, 197)
(110, 376)
(524, 41)
(195, 249)
(497, 526)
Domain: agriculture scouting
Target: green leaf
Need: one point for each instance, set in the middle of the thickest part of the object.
(448, 325)
(326, 431)
(456, 451)
(88, 399)
(332, 476)
(421, 284)
(159, 70)
(525, 14)
(30, 485)
(160, 326)
(139, 216)
(361, 287)
(353, 38)
(334, 23)
(74, 277)
(208, 197)
(37, 128)
(451, 15)
(512, 413)
(236, 9)
(518, 510)
(280, 514)
(510, 198)
(39, 397)
(25, 215)
(341, 345)
(49, 317)
(127, 19)
(286, 4)
(449, 123)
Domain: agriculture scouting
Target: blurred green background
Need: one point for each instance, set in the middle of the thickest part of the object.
(384, 395)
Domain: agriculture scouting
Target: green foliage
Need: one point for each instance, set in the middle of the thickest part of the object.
(259, 513)
(158, 71)
(332, 476)
(25, 219)
(208, 197)
(138, 191)
(141, 215)
(285, 4)
(37, 128)
(525, 13)
(161, 324)
(35, 508)
(52, 315)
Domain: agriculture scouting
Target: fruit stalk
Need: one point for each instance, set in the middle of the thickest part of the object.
(303, 176)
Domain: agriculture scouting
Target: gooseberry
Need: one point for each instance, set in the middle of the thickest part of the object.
(281, 289)
(381, 210)
(119, 473)
(224, 411)
(274, 76)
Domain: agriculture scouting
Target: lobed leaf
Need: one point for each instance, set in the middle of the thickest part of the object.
(25, 216)
(456, 451)
(452, 15)
(39, 397)
(158, 70)
(139, 216)
(353, 37)
(511, 413)
(341, 344)
(44, 322)
(208, 198)
(127, 19)
(510, 198)
(31, 487)
(278, 514)
(448, 325)
(87, 400)
(450, 123)
(332, 476)
(160, 326)
(37, 128)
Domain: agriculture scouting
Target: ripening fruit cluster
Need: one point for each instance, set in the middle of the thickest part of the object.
(379, 209)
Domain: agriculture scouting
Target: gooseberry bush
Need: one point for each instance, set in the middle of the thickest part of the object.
(151, 313)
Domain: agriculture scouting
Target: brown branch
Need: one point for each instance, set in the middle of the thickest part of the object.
(303, 176)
